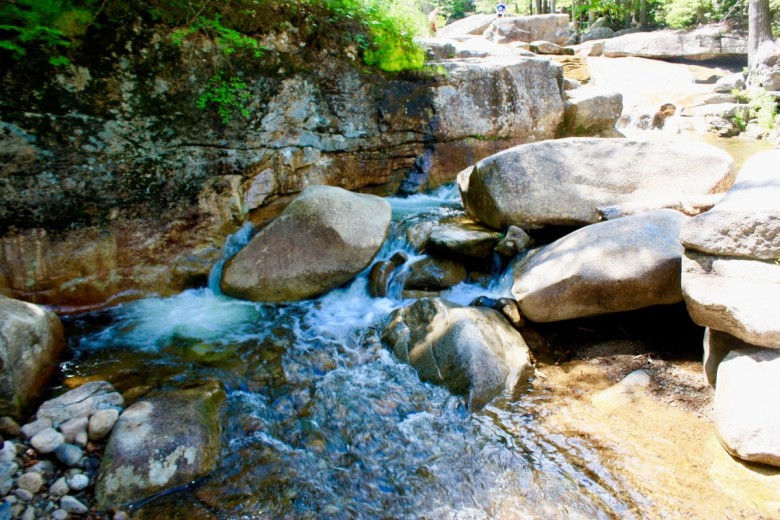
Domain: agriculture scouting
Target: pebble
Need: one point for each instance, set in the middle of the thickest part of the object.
(78, 482)
(101, 423)
(18, 509)
(32, 482)
(8, 452)
(46, 441)
(7, 469)
(9, 427)
(30, 514)
(69, 455)
(44, 467)
(73, 505)
(60, 514)
(24, 495)
(73, 427)
(30, 430)
(81, 439)
(59, 488)
(5, 486)
(121, 515)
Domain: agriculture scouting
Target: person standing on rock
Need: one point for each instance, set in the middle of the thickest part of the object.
(500, 10)
(433, 19)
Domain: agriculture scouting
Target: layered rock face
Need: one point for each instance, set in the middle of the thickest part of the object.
(707, 43)
(731, 284)
(154, 185)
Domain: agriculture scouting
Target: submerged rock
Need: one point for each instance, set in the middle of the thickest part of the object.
(434, 274)
(565, 181)
(321, 240)
(614, 266)
(465, 239)
(166, 440)
(471, 351)
(31, 342)
(745, 425)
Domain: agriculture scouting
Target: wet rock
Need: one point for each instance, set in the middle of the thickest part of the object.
(522, 186)
(69, 455)
(167, 439)
(8, 452)
(47, 441)
(81, 402)
(508, 307)
(623, 392)
(60, 514)
(23, 495)
(73, 428)
(322, 239)
(31, 342)
(614, 266)
(706, 43)
(78, 482)
(590, 110)
(379, 278)
(466, 239)
(515, 241)
(417, 234)
(30, 429)
(471, 351)
(30, 514)
(44, 467)
(59, 488)
(434, 274)
(745, 426)
(101, 423)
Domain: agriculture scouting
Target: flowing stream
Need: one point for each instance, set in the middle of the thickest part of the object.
(322, 422)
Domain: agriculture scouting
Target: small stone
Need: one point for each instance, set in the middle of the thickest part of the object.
(32, 482)
(5, 486)
(18, 509)
(78, 482)
(101, 423)
(8, 452)
(59, 488)
(46, 441)
(29, 430)
(81, 439)
(72, 428)
(9, 427)
(44, 467)
(30, 513)
(60, 514)
(69, 454)
(8, 469)
(23, 495)
(121, 515)
(73, 505)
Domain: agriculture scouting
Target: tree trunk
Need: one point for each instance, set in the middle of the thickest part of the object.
(552, 6)
(575, 18)
(538, 5)
(643, 15)
(759, 27)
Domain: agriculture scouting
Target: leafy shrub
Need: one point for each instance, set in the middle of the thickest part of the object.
(685, 13)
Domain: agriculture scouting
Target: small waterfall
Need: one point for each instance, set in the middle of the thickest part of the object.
(233, 245)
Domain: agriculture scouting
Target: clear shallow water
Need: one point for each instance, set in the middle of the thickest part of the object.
(322, 422)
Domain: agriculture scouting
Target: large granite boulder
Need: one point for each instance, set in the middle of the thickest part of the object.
(31, 343)
(730, 279)
(548, 27)
(717, 346)
(614, 266)
(746, 421)
(469, 26)
(463, 239)
(322, 239)
(590, 110)
(706, 43)
(566, 181)
(472, 351)
(765, 71)
(166, 440)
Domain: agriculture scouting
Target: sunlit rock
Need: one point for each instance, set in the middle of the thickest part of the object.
(167, 439)
(463, 239)
(717, 346)
(322, 239)
(472, 351)
(614, 266)
(745, 425)
(548, 27)
(31, 343)
(706, 43)
(565, 181)
(590, 110)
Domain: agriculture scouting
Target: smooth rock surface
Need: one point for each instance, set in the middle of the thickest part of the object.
(471, 351)
(81, 402)
(717, 346)
(168, 439)
(590, 110)
(463, 239)
(552, 28)
(706, 43)
(565, 181)
(434, 274)
(614, 266)
(745, 425)
(31, 342)
(321, 240)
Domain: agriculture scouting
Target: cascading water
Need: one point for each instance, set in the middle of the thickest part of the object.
(322, 422)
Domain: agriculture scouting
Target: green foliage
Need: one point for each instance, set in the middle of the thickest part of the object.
(763, 107)
(52, 24)
(228, 41)
(684, 13)
(228, 95)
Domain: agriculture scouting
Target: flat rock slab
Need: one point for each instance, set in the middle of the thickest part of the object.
(321, 240)
(471, 351)
(566, 181)
(463, 239)
(614, 266)
(166, 440)
(733, 295)
(747, 420)
(81, 402)
(701, 44)
(746, 222)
